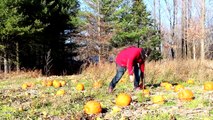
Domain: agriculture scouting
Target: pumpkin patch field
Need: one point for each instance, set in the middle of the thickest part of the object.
(172, 92)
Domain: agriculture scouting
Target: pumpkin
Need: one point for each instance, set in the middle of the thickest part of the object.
(162, 84)
(63, 83)
(97, 84)
(208, 86)
(56, 84)
(24, 86)
(158, 99)
(55, 81)
(123, 100)
(146, 92)
(178, 88)
(190, 81)
(60, 92)
(80, 87)
(168, 86)
(92, 107)
(49, 83)
(185, 95)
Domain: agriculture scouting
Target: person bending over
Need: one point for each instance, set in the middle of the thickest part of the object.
(132, 59)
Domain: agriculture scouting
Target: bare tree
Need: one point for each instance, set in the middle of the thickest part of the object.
(172, 8)
(194, 34)
(48, 63)
(183, 29)
(202, 51)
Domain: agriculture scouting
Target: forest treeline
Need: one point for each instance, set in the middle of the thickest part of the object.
(58, 37)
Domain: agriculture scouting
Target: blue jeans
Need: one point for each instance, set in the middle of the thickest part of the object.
(121, 70)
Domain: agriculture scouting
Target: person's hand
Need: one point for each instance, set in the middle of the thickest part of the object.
(131, 78)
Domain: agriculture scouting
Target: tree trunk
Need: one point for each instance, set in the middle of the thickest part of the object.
(99, 30)
(5, 63)
(174, 26)
(159, 26)
(186, 22)
(186, 19)
(183, 29)
(9, 65)
(194, 50)
(188, 26)
(203, 30)
(17, 57)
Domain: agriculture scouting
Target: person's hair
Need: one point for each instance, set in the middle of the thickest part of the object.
(145, 53)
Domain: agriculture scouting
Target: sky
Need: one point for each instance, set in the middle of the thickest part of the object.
(149, 4)
(165, 14)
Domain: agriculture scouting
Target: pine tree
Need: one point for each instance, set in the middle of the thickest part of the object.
(36, 26)
(135, 27)
(11, 28)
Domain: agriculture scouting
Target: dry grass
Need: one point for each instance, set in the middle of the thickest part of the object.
(102, 71)
(155, 72)
(21, 74)
(179, 70)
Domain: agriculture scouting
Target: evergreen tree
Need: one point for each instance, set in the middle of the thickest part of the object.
(37, 26)
(135, 27)
(11, 28)
(57, 16)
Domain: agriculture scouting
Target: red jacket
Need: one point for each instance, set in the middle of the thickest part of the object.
(129, 57)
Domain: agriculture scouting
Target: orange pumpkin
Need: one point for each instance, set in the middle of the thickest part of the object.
(168, 86)
(146, 92)
(162, 84)
(63, 83)
(178, 88)
(49, 83)
(80, 87)
(158, 99)
(97, 84)
(56, 84)
(92, 107)
(123, 100)
(60, 92)
(185, 95)
(24, 86)
(55, 81)
(208, 86)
